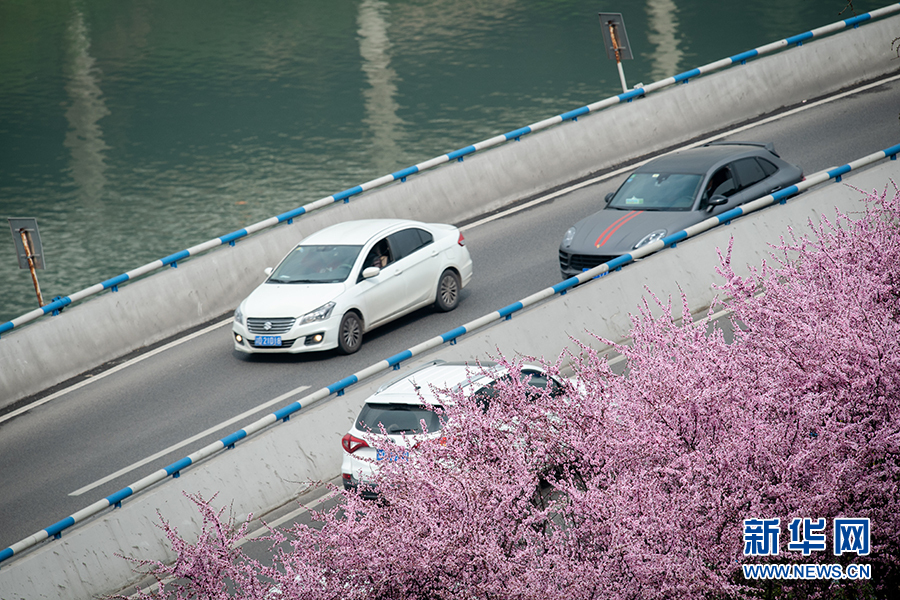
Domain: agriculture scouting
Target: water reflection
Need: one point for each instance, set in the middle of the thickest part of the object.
(380, 104)
(84, 138)
(663, 36)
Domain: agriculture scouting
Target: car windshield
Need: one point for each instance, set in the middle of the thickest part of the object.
(657, 191)
(316, 264)
(397, 419)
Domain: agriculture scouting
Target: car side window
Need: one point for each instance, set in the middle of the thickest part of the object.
(768, 168)
(483, 397)
(721, 183)
(749, 172)
(405, 242)
(379, 256)
(541, 381)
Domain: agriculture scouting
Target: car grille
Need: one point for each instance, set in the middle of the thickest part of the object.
(581, 262)
(276, 326)
(284, 344)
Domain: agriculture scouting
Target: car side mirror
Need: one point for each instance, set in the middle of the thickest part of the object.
(268, 271)
(609, 197)
(716, 200)
(370, 272)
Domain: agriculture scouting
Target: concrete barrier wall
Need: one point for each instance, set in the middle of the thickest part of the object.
(268, 470)
(159, 306)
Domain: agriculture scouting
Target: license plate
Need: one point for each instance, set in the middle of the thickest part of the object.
(267, 340)
(382, 455)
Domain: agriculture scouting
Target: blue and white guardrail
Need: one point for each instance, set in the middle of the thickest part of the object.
(394, 361)
(172, 260)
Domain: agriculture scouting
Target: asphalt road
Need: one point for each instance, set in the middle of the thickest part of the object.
(93, 441)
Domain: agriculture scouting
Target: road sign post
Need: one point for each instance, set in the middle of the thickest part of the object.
(616, 41)
(29, 250)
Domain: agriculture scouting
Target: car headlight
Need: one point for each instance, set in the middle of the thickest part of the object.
(650, 238)
(570, 235)
(238, 315)
(320, 314)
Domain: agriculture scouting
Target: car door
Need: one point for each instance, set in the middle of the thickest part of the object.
(416, 257)
(384, 295)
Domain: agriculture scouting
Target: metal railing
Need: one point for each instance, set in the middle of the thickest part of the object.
(394, 361)
(172, 260)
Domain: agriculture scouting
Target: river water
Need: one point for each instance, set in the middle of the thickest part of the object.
(132, 129)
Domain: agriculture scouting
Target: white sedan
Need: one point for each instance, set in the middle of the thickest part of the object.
(348, 279)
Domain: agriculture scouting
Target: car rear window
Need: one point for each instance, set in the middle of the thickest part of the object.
(397, 419)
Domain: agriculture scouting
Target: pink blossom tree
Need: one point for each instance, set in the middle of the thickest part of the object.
(634, 486)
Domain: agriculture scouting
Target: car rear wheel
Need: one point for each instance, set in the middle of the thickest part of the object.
(350, 333)
(448, 291)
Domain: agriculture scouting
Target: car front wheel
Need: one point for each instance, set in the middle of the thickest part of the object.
(448, 291)
(350, 333)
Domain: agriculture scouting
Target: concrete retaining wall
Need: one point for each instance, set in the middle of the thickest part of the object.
(144, 312)
(268, 470)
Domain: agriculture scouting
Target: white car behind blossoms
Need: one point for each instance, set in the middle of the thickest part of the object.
(408, 411)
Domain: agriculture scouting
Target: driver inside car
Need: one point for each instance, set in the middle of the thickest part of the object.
(378, 255)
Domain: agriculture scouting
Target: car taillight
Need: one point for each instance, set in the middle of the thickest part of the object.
(352, 443)
(461, 241)
(442, 441)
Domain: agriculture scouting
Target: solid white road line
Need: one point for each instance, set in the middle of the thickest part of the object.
(115, 369)
(190, 440)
